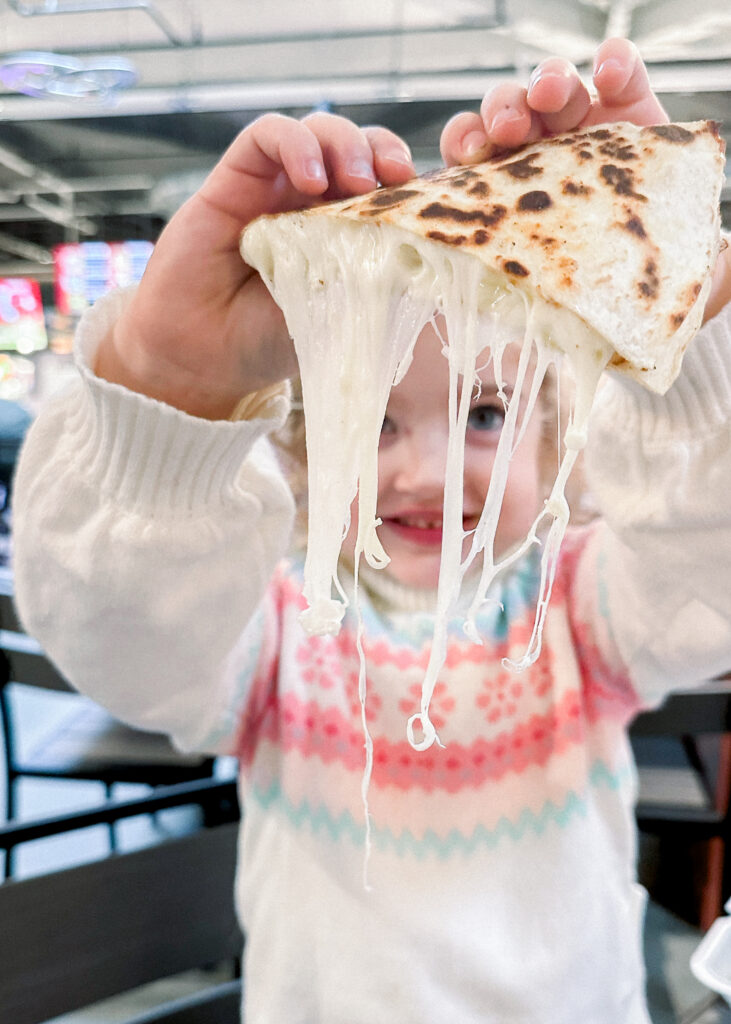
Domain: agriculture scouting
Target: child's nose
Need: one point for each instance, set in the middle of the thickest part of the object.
(423, 463)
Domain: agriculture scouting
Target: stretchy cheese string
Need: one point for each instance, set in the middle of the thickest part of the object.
(365, 782)
(459, 307)
(355, 299)
(351, 335)
(484, 535)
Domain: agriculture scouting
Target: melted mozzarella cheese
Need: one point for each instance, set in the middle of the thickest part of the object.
(354, 308)
(355, 298)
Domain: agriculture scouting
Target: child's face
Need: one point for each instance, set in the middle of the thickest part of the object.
(411, 465)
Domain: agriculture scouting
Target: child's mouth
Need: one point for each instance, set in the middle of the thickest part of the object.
(418, 529)
(426, 530)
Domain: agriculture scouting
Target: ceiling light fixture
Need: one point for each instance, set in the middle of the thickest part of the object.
(58, 76)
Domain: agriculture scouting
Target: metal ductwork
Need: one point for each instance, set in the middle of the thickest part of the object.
(45, 7)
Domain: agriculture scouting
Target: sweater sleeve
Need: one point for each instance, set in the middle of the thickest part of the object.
(144, 540)
(660, 469)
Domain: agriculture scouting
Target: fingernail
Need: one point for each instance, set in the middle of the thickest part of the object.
(315, 170)
(473, 144)
(400, 156)
(502, 119)
(535, 79)
(361, 169)
(610, 64)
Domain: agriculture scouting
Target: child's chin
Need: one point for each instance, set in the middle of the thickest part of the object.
(421, 573)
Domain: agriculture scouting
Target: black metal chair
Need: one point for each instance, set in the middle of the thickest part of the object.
(88, 744)
(73, 937)
(683, 755)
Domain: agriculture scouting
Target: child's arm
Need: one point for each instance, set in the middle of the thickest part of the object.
(144, 536)
(202, 330)
(556, 100)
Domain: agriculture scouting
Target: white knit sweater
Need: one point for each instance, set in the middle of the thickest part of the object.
(145, 542)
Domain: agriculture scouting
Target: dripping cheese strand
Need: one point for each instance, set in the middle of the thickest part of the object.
(459, 307)
(365, 782)
(484, 536)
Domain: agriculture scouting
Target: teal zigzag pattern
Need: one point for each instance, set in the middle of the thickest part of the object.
(343, 827)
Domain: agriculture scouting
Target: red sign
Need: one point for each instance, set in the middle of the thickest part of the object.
(84, 271)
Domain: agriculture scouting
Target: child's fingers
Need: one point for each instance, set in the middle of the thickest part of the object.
(508, 118)
(556, 92)
(274, 162)
(348, 156)
(504, 122)
(392, 160)
(321, 153)
(623, 85)
(274, 143)
(620, 75)
(464, 140)
(279, 163)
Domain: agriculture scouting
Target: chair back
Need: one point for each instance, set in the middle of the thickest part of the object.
(683, 748)
(705, 709)
(73, 937)
(683, 755)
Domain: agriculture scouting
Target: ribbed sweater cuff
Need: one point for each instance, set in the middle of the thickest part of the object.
(698, 403)
(150, 456)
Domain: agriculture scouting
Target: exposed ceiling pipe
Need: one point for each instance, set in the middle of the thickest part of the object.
(59, 215)
(49, 183)
(19, 212)
(38, 175)
(31, 10)
(114, 183)
(26, 250)
(41, 272)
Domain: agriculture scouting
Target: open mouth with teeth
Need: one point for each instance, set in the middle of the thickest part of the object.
(424, 528)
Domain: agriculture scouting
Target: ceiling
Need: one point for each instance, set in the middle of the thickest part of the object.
(95, 161)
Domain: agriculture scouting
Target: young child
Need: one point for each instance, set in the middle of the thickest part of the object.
(149, 545)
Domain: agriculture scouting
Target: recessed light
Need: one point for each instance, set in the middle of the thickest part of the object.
(55, 75)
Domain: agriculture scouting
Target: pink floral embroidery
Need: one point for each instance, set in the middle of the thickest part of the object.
(439, 709)
(319, 662)
(499, 696)
(372, 703)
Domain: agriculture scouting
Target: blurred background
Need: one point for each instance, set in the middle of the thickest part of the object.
(112, 111)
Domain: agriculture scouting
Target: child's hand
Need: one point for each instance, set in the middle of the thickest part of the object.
(202, 330)
(555, 100)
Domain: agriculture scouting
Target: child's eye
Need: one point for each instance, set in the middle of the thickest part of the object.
(486, 418)
(389, 431)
